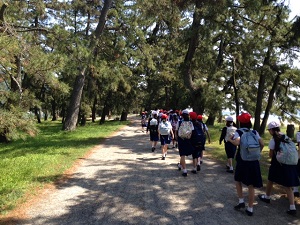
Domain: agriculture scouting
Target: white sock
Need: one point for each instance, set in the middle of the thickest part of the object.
(185, 170)
(195, 168)
(292, 207)
(267, 197)
(250, 209)
(241, 200)
(231, 168)
(296, 189)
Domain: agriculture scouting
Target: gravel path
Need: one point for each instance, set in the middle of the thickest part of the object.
(123, 182)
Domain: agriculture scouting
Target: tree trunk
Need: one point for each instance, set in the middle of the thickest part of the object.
(269, 105)
(124, 116)
(94, 109)
(104, 113)
(74, 105)
(53, 107)
(210, 120)
(236, 93)
(37, 112)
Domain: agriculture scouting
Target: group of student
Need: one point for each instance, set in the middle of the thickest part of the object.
(184, 129)
(248, 172)
(190, 140)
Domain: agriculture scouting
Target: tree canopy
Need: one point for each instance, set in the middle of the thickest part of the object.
(79, 58)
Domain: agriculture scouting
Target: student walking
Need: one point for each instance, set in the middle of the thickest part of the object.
(165, 134)
(282, 174)
(185, 129)
(207, 135)
(143, 121)
(153, 128)
(230, 149)
(197, 140)
(174, 123)
(246, 172)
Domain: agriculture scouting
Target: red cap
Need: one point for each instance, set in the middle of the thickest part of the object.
(193, 115)
(164, 116)
(244, 118)
(199, 117)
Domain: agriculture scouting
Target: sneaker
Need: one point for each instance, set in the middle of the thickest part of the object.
(163, 158)
(229, 171)
(173, 147)
(198, 167)
(239, 206)
(249, 213)
(264, 199)
(184, 174)
(179, 166)
(153, 149)
(296, 194)
(194, 171)
(291, 211)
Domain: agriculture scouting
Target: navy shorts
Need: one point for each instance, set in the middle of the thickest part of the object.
(165, 139)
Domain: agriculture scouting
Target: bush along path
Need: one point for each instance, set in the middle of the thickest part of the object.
(123, 182)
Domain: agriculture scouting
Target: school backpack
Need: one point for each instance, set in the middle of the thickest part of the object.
(164, 128)
(288, 153)
(249, 145)
(185, 129)
(198, 135)
(153, 121)
(230, 132)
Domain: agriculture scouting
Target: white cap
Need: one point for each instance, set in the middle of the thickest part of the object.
(154, 112)
(273, 124)
(229, 119)
(185, 111)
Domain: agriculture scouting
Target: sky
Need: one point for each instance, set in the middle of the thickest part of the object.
(295, 7)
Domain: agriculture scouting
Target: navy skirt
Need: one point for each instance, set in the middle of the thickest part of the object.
(248, 172)
(282, 174)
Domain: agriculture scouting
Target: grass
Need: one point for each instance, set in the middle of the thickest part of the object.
(28, 165)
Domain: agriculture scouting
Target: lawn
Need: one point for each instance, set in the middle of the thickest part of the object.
(27, 165)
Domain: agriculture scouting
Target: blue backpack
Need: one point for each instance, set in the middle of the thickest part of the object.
(249, 145)
(288, 153)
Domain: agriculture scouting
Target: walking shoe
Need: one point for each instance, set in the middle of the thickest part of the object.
(179, 166)
(239, 206)
(229, 171)
(264, 199)
(198, 167)
(296, 194)
(194, 171)
(248, 212)
(291, 212)
(184, 174)
(163, 158)
(152, 149)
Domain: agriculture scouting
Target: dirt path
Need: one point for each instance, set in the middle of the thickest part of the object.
(123, 182)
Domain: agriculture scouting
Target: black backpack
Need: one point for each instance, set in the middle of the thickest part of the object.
(198, 135)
